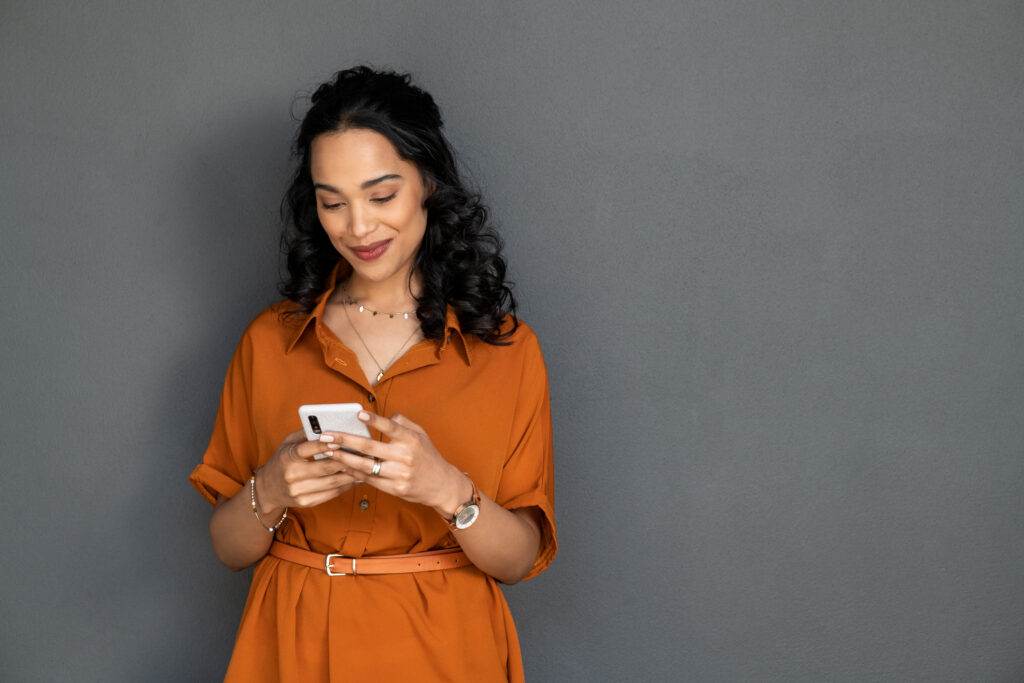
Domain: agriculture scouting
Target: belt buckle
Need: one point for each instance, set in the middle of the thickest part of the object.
(327, 565)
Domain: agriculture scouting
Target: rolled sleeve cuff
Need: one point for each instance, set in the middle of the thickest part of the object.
(209, 482)
(548, 531)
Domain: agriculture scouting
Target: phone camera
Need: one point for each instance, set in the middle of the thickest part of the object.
(315, 424)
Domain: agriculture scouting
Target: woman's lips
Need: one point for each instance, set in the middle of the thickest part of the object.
(374, 252)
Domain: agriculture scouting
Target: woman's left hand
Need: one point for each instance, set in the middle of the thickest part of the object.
(411, 466)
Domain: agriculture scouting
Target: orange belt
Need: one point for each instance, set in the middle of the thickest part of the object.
(337, 564)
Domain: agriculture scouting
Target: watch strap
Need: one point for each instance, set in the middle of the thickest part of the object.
(474, 500)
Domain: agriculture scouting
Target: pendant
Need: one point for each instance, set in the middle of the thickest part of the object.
(379, 375)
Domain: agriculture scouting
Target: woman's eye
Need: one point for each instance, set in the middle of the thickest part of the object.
(378, 200)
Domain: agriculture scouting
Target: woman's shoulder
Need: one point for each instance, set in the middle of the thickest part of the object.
(520, 344)
(274, 323)
(523, 331)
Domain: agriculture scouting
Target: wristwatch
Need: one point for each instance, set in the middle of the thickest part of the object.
(468, 512)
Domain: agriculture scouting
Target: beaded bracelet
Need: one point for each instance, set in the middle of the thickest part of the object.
(252, 494)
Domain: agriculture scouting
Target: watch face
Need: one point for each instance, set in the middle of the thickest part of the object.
(467, 516)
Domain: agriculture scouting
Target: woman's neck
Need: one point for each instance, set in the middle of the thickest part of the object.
(390, 295)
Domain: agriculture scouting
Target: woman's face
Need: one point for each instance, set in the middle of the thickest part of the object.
(365, 194)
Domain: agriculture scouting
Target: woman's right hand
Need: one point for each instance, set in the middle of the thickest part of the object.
(293, 478)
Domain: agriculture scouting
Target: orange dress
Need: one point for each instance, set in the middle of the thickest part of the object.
(487, 410)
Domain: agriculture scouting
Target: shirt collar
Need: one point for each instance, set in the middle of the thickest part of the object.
(452, 326)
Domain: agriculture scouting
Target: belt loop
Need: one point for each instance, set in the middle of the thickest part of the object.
(355, 542)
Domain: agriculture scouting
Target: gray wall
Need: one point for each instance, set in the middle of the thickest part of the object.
(772, 250)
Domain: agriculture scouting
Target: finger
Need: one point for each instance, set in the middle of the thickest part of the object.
(364, 445)
(313, 499)
(406, 422)
(304, 471)
(363, 465)
(381, 483)
(317, 484)
(305, 450)
(322, 468)
(385, 425)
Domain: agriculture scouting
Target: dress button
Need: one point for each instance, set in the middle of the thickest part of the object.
(370, 398)
(363, 504)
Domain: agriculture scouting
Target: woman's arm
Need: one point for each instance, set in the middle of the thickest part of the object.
(503, 543)
(237, 536)
(500, 542)
(292, 478)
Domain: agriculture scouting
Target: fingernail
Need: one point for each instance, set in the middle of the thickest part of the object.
(363, 415)
(334, 445)
(326, 437)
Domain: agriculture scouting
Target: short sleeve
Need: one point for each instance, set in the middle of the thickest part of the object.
(528, 474)
(229, 458)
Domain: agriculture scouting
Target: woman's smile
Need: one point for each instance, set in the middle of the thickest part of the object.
(373, 251)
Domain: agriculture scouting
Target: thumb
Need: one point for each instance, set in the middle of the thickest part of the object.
(296, 436)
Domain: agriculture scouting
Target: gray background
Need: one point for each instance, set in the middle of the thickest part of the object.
(772, 251)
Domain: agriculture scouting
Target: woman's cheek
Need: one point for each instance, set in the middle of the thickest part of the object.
(409, 212)
(330, 224)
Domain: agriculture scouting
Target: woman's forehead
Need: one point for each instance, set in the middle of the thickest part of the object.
(352, 160)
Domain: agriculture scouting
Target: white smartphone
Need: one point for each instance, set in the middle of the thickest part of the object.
(332, 417)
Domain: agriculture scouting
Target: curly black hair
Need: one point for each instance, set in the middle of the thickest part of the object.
(459, 257)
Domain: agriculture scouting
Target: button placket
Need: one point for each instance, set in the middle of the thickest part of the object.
(360, 523)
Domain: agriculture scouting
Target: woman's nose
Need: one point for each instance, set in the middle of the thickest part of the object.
(361, 219)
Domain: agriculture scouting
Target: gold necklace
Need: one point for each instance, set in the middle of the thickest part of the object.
(362, 307)
(350, 300)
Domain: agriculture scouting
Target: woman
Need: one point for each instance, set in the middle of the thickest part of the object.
(396, 300)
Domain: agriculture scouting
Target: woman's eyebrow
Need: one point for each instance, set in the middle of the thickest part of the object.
(365, 184)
